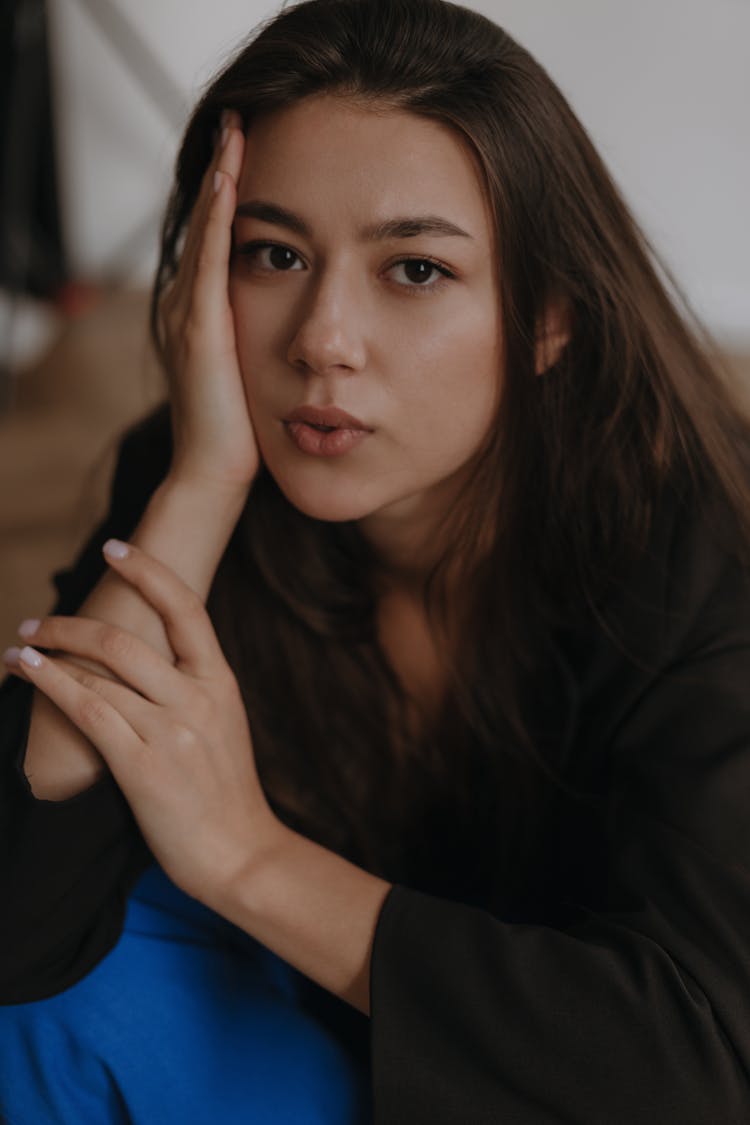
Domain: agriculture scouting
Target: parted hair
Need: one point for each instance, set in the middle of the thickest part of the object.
(562, 493)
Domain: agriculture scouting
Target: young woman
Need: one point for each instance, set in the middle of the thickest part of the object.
(412, 718)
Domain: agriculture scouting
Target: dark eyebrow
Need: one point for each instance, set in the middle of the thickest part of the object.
(271, 213)
(390, 228)
(411, 227)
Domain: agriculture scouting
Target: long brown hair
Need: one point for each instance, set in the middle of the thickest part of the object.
(562, 494)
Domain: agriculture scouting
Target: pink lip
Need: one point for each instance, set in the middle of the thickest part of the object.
(325, 416)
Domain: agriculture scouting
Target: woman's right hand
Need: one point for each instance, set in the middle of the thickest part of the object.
(213, 437)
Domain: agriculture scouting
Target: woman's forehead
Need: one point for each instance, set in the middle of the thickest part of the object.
(332, 156)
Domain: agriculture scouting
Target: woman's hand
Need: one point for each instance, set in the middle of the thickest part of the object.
(175, 736)
(214, 441)
(190, 516)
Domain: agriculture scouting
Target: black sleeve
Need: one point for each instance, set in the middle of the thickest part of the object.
(66, 866)
(637, 1013)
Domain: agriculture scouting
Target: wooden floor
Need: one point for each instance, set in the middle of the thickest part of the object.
(58, 437)
(57, 444)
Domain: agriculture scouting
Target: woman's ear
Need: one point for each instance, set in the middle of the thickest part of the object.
(553, 334)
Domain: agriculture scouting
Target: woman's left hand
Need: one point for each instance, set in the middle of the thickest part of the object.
(175, 736)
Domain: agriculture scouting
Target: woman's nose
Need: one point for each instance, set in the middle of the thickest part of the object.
(330, 331)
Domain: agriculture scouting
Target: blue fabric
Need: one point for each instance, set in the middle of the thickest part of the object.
(187, 1020)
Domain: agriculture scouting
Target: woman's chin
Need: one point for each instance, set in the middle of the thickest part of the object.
(335, 502)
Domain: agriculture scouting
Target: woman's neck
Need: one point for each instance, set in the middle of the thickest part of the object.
(408, 538)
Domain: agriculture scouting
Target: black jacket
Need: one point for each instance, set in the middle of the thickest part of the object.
(630, 1006)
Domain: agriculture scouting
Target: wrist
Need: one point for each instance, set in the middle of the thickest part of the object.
(311, 907)
(187, 527)
(230, 893)
(200, 515)
(200, 489)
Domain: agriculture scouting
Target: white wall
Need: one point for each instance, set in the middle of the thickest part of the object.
(663, 86)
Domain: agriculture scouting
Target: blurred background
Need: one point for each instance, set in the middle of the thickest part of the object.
(93, 97)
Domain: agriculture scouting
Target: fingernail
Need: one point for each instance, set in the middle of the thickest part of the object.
(224, 135)
(30, 656)
(217, 181)
(11, 655)
(116, 549)
(28, 627)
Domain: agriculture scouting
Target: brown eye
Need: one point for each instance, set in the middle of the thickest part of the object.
(281, 257)
(270, 256)
(418, 271)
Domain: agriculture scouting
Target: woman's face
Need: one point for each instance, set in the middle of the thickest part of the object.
(364, 278)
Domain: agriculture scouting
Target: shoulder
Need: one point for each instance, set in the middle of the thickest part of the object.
(692, 568)
(695, 572)
(681, 607)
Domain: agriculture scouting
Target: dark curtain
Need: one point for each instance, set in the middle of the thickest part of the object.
(32, 256)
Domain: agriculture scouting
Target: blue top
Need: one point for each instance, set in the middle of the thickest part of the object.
(187, 1020)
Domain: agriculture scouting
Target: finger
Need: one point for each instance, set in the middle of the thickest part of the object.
(94, 716)
(188, 626)
(227, 160)
(175, 296)
(205, 190)
(197, 299)
(231, 150)
(12, 663)
(211, 271)
(125, 700)
(129, 657)
(140, 713)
